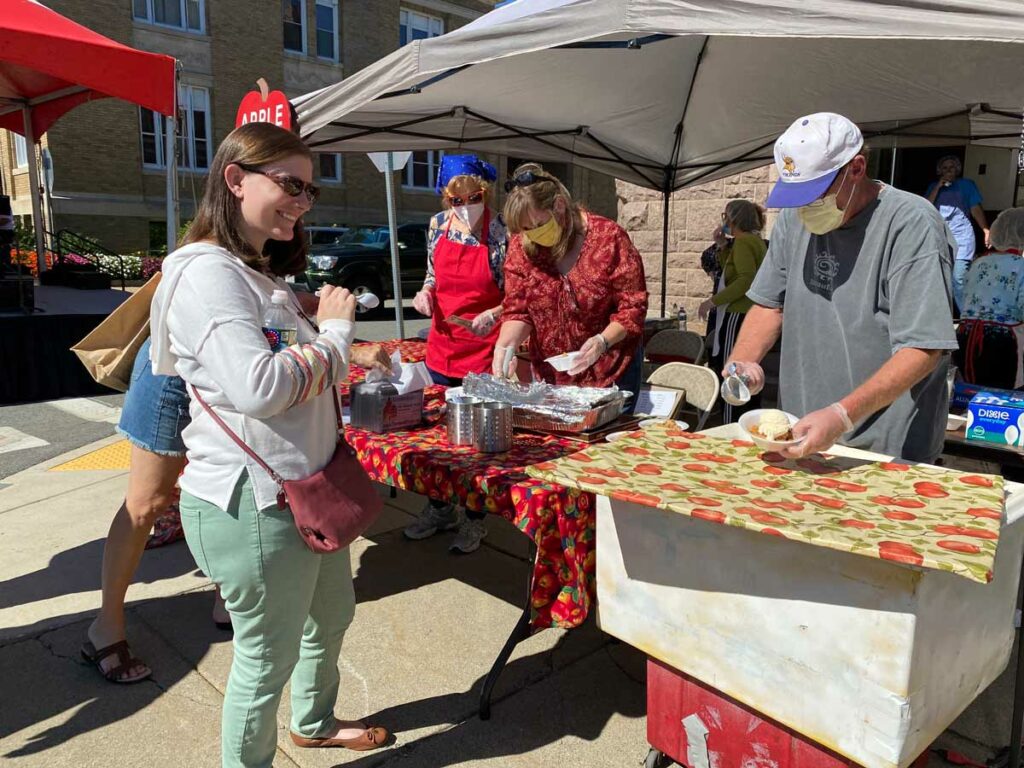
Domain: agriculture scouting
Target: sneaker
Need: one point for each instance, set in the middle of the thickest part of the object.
(468, 539)
(431, 520)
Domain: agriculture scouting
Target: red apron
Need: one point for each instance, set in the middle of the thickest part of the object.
(463, 286)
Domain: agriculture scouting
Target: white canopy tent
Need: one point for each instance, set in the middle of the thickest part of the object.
(667, 93)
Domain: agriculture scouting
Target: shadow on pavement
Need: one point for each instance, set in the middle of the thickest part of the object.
(67, 689)
(548, 709)
(78, 570)
(394, 565)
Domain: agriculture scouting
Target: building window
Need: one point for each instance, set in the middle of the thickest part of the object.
(20, 150)
(417, 26)
(294, 13)
(180, 14)
(193, 132)
(421, 170)
(330, 166)
(327, 30)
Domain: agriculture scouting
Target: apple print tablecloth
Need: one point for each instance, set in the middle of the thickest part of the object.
(559, 520)
(923, 516)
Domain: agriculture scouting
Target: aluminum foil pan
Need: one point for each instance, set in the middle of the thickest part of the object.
(550, 407)
(583, 421)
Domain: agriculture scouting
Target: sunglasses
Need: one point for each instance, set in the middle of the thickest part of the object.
(524, 180)
(471, 199)
(292, 185)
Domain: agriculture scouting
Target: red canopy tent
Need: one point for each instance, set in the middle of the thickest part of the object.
(49, 65)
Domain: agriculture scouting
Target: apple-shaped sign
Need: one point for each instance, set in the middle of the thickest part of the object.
(264, 106)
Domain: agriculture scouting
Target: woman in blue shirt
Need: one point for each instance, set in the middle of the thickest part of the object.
(958, 199)
(991, 327)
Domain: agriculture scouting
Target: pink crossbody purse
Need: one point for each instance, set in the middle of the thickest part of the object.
(330, 507)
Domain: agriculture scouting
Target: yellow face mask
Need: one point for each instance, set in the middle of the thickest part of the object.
(547, 234)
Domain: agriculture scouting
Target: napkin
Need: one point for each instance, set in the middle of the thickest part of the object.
(405, 377)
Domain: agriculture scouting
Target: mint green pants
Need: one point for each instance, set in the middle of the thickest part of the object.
(289, 608)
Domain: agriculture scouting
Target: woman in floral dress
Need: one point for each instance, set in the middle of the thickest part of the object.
(573, 283)
(991, 330)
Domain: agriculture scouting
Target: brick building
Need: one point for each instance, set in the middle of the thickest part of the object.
(696, 211)
(108, 156)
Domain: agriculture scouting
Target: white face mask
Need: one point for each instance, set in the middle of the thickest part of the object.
(469, 214)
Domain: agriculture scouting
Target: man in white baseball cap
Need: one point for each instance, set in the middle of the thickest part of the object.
(857, 283)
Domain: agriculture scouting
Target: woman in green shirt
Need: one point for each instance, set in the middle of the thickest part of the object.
(740, 259)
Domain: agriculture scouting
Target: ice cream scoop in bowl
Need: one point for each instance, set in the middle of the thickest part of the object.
(769, 428)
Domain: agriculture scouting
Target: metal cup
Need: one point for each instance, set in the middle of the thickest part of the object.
(462, 419)
(493, 429)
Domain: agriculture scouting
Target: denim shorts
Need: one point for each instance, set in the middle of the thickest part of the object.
(155, 409)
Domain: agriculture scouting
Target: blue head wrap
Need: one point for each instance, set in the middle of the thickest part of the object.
(463, 165)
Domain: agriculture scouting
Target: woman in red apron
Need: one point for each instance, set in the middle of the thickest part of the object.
(462, 294)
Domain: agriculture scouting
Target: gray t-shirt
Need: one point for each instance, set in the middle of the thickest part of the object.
(851, 299)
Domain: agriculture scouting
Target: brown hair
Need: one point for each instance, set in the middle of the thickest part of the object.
(457, 186)
(542, 196)
(745, 215)
(217, 217)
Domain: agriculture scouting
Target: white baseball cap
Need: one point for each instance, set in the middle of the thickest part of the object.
(809, 155)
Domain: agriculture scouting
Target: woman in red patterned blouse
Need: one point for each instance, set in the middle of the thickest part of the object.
(573, 283)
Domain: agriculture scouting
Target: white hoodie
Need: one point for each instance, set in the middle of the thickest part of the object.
(206, 326)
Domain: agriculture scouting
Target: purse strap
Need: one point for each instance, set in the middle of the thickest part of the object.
(241, 443)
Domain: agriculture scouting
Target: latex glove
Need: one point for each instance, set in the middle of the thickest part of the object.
(423, 302)
(988, 238)
(504, 362)
(372, 358)
(705, 309)
(483, 323)
(591, 351)
(819, 429)
(751, 373)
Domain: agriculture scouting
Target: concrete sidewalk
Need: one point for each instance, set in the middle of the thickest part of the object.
(427, 628)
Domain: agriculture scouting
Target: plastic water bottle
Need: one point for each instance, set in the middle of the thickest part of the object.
(682, 318)
(279, 324)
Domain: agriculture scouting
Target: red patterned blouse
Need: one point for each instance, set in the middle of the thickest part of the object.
(606, 284)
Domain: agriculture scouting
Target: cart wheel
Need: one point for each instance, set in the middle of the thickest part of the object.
(657, 759)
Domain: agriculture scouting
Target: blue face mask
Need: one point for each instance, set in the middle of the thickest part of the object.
(725, 229)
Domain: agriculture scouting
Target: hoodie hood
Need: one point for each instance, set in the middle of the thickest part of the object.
(160, 355)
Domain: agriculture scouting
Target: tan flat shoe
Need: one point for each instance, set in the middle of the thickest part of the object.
(373, 737)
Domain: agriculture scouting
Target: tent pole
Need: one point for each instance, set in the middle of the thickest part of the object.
(33, 181)
(170, 158)
(171, 193)
(892, 171)
(666, 197)
(396, 267)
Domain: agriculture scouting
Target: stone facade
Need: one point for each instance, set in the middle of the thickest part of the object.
(694, 213)
(102, 188)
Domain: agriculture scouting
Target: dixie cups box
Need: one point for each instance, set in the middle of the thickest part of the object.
(996, 416)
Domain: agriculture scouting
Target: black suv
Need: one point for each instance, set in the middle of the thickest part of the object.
(361, 261)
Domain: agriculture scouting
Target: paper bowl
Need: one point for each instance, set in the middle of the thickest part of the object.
(753, 418)
(648, 423)
(953, 422)
(562, 363)
(611, 437)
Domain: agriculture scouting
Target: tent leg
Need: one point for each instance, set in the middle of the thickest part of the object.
(666, 198)
(396, 267)
(33, 180)
(170, 142)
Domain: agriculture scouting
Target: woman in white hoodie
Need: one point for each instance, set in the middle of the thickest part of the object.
(289, 606)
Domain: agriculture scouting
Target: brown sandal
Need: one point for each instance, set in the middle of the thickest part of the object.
(125, 662)
(373, 737)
